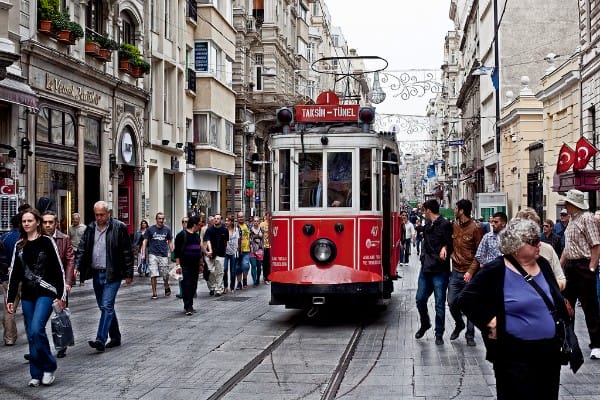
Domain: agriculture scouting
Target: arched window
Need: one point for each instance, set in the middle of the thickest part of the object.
(128, 29)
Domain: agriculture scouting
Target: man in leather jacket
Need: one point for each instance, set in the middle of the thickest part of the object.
(107, 266)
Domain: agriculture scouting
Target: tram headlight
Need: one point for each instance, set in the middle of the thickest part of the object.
(323, 251)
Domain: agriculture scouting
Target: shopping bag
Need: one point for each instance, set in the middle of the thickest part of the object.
(62, 330)
(173, 274)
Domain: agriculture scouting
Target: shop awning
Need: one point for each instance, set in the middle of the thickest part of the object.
(17, 92)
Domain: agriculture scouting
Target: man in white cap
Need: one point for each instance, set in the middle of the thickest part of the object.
(580, 260)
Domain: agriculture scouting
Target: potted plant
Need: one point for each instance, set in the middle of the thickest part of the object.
(92, 47)
(145, 65)
(107, 46)
(62, 25)
(127, 53)
(47, 9)
(136, 67)
(76, 30)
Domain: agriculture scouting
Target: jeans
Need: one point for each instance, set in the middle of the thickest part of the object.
(405, 252)
(189, 285)
(418, 241)
(36, 314)
(106, 293)
(436, 283)
(456, 285)
(256, 270)
(230, 270)
(266, 263)
(243, 265)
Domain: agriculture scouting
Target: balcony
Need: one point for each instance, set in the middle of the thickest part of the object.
(191, 81)
(192, 11)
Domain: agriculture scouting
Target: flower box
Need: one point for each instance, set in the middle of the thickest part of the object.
(92, 49)
(104, 54)
(66, 37)
(124, 65)
(46, 27)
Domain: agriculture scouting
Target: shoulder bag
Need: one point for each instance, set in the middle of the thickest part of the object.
(570, 352)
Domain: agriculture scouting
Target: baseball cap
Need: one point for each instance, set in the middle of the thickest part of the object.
(564, 211)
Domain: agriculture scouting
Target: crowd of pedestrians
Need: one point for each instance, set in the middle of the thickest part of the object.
(39, 266)
(515, 284)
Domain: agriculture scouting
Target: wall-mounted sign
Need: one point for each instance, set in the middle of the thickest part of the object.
(56, 85)
(126, 147)
(201, 56)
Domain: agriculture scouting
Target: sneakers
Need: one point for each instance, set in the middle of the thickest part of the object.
(154, 297)
(439, 340)
(239, 286)
(267, 282)
(188, 312)
(595, 355)
(471, 342)
(62, 353)
(422, 331)
(456, 332)
(167, 291)
(34, 383)
(96, 345)
(48, 378)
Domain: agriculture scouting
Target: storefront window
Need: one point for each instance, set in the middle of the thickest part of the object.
(55, 126)
(58, 182)
(92, 136)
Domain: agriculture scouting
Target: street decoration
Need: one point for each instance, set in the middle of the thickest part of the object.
(584, 151)
(566, 158)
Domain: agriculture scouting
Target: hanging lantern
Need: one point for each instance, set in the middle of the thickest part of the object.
(376, 95)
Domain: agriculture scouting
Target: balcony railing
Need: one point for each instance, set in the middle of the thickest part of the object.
(191, 79)
(192, 10)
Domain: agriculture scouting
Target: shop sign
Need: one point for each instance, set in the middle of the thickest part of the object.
(64, 88)
(7, 186)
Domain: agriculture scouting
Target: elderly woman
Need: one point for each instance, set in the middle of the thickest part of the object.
(518, 329)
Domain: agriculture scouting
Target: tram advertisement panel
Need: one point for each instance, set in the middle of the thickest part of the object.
(279, 244)
(369, 244)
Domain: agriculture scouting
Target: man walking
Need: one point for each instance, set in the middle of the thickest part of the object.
(8, 242)
(408, 236)
(215, 242)
(67, 257)
(264, 228)
(158, 243)
(76, 232)
(580, 261)
(105, 255)
(488, 249)
(435, 269)
(561, 225)
(466, 236)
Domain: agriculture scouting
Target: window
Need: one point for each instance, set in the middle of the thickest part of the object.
(55, 126)
(95, 16)
(128, 31)
(310, 52)
(339, 184)
(167, 19)
(310, 181)
(211, 59)
(91, 138)
(302, 48)
(212, 130)
(284, 180)
(258, 78)
(302, 11)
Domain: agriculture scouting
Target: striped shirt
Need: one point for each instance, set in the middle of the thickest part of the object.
(581, 235)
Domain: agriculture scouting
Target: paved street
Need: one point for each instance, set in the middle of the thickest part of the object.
(233, 348)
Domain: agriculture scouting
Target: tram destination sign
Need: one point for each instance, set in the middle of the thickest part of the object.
(457, 142)
(326, 113)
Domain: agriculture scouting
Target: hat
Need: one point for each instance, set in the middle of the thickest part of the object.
(576, 198)
(563, 211)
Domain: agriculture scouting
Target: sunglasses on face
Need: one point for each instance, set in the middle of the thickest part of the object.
(533, 241)
(546, 226)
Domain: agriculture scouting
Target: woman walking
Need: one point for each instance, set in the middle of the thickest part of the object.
(256, 251)
(37, 267)
(518, 328)
(231, 254)
(137, 245)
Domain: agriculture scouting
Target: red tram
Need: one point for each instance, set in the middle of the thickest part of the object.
(334, 228)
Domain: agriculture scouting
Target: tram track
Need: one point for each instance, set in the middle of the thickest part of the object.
(329, 388)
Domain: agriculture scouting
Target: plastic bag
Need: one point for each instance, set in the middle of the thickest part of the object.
(173, 274)
(62, 330)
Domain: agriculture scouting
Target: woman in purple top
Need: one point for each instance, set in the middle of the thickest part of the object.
(518, 329)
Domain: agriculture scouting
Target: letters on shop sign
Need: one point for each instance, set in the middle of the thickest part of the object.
(68, 89)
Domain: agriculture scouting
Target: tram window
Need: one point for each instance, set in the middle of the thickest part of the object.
(339, 185)
(284, 180)
(310, 178)
(365, 179)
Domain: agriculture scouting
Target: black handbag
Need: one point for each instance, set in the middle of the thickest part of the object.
(570, 352)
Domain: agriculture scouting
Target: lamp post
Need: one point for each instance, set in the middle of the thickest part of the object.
(497, 92)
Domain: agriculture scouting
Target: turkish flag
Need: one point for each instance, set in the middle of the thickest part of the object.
(584, 151)
(566, 158)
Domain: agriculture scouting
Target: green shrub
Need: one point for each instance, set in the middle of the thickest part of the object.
(76, 30)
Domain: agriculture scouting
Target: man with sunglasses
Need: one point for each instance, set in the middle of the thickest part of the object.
(580, 261)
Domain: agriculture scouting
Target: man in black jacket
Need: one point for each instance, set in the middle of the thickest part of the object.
(435, 269)
(107, 266)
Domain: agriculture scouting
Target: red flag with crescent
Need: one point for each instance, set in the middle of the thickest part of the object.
(584, 151)
(566, 158)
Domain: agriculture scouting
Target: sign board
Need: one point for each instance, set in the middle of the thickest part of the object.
(457, 142)
(326, 113)
(7, 186)
(201, 56)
